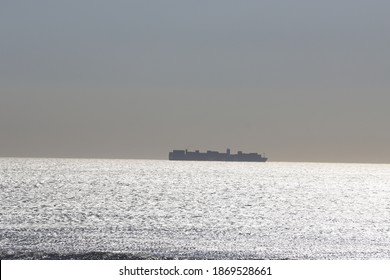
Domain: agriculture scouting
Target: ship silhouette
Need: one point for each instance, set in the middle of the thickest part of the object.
(215, 156)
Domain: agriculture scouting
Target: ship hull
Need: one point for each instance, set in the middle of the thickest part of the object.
(185, 159)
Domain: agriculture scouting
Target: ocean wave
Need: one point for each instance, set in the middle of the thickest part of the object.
(77, 256)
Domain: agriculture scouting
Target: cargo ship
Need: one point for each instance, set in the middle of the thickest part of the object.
(215, 156)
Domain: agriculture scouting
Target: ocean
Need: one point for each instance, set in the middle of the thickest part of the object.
(160, 209)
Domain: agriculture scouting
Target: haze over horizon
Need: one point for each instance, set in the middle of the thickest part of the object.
(297, 80)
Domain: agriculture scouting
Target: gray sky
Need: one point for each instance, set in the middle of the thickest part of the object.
(298, 80)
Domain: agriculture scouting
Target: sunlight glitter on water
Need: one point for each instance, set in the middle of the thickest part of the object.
(195, 209)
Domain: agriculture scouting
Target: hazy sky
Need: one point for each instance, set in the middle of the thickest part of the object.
(297, 80)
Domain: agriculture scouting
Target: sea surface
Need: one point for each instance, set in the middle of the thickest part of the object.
(160, 209)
